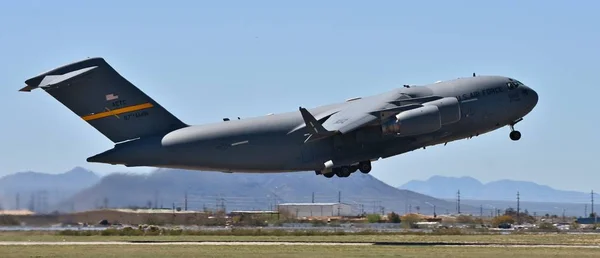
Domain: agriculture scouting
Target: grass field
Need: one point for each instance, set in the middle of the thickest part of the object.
(542, 239)
(407, 250)
(288, 251)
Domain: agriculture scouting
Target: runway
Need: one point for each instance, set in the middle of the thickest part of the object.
(271, 243)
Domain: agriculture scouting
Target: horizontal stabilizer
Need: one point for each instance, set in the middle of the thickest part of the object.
(51, 80)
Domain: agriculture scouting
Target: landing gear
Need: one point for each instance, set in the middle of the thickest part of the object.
(364, 167)
(515, 135)
(346, 171)
(343, 171)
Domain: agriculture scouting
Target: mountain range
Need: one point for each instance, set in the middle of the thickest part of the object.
(238, 191)
(81, 189)
(30, 189)
(501, 190)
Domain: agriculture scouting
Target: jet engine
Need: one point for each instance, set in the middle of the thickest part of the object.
(449, 108)
(426, 119)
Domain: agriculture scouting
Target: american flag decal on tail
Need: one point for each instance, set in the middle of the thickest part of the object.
(111, 96)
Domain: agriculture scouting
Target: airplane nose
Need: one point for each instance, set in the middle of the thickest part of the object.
(531, 97)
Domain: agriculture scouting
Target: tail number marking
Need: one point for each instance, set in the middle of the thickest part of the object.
(115, 112)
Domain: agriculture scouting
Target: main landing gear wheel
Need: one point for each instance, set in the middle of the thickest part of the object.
(364, 167)
(328, 175)
(515, 135)
(343, 171)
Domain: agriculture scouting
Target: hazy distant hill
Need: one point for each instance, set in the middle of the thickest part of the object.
(488, 207)
(42, 190)
(239, 191)
(470, 188)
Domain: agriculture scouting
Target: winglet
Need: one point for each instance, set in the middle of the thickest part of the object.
(316, 129)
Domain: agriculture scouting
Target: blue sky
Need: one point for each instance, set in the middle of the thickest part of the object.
(208, 60)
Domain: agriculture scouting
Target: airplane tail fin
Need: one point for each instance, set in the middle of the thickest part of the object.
(94, 91)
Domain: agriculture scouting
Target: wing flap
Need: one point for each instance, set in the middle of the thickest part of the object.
(385, 113)
(345, 124)
(360, 112)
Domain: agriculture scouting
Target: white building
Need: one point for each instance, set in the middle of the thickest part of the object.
(317, 209)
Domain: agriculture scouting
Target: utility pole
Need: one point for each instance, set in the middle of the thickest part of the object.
(185, 201)
(155, 199)
(518, 209)
(592, 202)
(339, 201)
(32, 203)
(18, 202)
(405, 203)
(458, 201)
(313, 197)
(481, 211)
(595, 217)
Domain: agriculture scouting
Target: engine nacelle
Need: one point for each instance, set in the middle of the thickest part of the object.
(426, 119)
(449, 108)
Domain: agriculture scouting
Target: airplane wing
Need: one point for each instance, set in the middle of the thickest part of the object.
(359, 113)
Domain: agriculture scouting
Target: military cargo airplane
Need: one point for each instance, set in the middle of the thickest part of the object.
(335, 139)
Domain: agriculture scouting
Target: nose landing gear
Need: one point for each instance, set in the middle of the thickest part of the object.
(515, 135)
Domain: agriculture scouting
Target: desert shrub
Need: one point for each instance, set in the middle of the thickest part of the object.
(409, 220)
(547, 226)
(8, 220)
(394, 217)
(447, 231)
(504, 219)
(465, 219)
(373, 218)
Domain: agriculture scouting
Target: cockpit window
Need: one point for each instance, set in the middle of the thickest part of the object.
(513, 84)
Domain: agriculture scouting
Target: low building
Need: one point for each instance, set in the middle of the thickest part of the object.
(317, 209)
(16, 212)
(588, 220)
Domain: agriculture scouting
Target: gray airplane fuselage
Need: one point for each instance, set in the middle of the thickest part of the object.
(273, 143)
